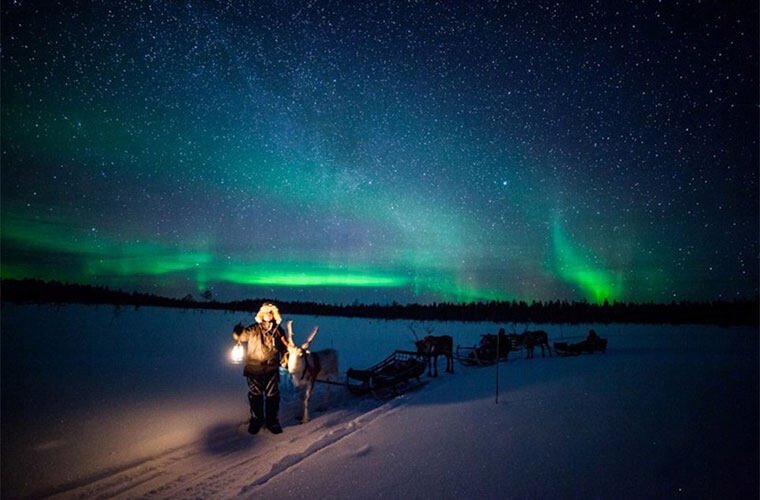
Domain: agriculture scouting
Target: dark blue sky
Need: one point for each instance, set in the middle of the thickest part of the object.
(410, 151)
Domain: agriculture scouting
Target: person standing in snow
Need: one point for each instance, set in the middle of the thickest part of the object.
(266, 343)
(592, 338)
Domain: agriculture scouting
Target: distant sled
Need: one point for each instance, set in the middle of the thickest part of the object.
(485, 353)
(589, 346)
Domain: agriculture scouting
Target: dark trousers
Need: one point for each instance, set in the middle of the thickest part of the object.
(264, 387)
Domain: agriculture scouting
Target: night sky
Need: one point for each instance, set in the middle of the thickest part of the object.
(408, 151)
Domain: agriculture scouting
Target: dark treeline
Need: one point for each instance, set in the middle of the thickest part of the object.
(744, 312)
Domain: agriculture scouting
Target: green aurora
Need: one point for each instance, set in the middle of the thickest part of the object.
(576, 266)
(94, 258)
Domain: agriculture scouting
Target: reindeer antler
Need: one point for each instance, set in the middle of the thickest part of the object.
(311, 336)
(289, 324)
(416, 338)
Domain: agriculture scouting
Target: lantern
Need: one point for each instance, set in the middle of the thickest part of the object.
(238, 353)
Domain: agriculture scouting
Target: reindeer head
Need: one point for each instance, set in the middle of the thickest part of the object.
(423, 345)
(296, 353)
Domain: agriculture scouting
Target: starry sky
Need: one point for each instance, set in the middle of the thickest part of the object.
(406, 151)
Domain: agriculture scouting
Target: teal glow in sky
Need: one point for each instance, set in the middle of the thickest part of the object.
(388, 151)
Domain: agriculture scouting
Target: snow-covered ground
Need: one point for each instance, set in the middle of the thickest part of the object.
(103, 402)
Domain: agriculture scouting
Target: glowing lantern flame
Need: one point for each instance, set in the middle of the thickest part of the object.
(237, 354)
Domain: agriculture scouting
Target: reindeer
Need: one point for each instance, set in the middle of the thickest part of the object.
(535, 338)
(305, 367)
(433, 346)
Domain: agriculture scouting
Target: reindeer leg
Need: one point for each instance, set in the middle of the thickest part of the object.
(306, 399)
(302, 398)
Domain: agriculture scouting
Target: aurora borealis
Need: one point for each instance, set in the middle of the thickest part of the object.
(380, 151)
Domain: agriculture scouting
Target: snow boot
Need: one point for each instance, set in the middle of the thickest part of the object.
(257, 412)
(273, 408)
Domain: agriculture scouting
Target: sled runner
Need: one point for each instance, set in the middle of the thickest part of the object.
(390, 377)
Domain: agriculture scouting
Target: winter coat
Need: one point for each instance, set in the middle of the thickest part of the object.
(266, 341)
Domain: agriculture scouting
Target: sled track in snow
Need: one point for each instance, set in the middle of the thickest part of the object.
(328, 439)
(236, 467)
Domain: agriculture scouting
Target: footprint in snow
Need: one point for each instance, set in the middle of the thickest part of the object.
(49, 445)
(364, 450)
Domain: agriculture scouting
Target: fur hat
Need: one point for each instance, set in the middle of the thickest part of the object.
(267, 307)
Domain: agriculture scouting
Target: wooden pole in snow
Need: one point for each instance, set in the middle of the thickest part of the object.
(497, 367)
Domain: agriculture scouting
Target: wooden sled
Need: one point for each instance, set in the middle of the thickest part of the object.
(395, 374)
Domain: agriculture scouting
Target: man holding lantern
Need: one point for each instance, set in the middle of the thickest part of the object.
(266, 343)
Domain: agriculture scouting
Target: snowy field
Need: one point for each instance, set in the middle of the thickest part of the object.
(100, 402)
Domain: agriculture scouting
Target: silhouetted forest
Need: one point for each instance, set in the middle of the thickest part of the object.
(744, 312)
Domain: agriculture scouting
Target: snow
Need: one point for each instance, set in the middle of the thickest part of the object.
(99, 401)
